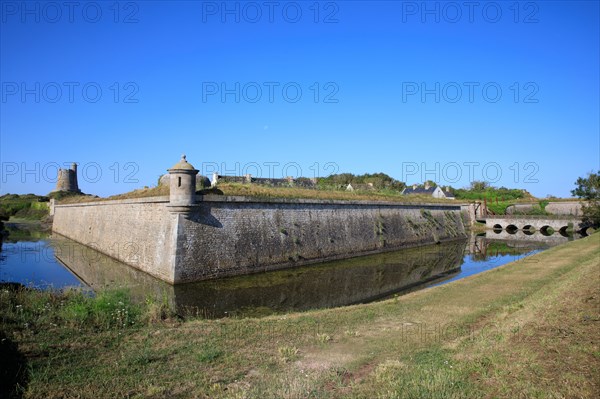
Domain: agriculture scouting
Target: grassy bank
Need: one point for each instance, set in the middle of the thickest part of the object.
(527, 329)
(25, 207)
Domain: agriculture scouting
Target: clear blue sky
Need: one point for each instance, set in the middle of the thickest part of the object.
(405, 88)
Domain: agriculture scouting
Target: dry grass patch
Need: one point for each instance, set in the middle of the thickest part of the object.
(553, 346)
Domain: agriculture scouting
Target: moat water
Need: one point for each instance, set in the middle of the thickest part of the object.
(44, 261)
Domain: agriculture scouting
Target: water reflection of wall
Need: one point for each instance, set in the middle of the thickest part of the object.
(494, 243)
(100, 271)
(330, 284)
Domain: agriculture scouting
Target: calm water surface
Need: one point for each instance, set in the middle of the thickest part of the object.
(53, 262)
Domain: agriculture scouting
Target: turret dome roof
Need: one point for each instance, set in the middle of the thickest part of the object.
(183, 164)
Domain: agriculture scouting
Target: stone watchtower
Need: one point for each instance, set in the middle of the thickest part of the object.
(67, 180)
(182, 181)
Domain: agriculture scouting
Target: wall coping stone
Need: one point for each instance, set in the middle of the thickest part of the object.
(142, 200)
(250, 199)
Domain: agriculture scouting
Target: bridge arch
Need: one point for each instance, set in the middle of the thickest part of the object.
(511, 229)
(528, 229)
(563, 231)
(534, 224)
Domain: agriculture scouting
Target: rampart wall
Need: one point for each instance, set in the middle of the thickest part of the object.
(223, 236)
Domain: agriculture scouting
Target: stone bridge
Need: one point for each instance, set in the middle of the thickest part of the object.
(529, 224)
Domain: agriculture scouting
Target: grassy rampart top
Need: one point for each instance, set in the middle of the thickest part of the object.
(254, 190)
(261, 191)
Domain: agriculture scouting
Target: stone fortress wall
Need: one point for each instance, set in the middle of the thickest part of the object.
(185, 237)
(226, 236)
(138, 232)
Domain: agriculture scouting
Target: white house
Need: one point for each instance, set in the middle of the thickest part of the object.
(434, 191)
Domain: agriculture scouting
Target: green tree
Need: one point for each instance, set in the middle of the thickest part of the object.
(588, 189)
(477, 185)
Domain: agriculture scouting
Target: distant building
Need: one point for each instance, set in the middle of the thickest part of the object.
(434, 191)
(67, 180)
(357, 186)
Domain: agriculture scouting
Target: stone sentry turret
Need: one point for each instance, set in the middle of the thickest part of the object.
(182, 182)
(201, 181)
(67, 180)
